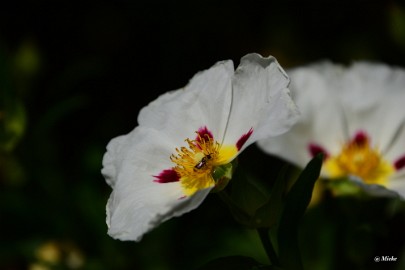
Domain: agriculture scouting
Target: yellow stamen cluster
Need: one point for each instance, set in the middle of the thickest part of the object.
(360, 160)
(196, 163)
(197, 159)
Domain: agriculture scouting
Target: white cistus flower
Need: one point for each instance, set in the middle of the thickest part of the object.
(354, 115)
(186, 140)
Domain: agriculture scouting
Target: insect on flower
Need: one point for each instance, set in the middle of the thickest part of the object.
(187, 140)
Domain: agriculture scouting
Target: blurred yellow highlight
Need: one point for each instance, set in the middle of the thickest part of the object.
(362, 161)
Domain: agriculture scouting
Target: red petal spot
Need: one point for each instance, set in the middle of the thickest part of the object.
(203, 132)
(400, 163)
(243, 139)
(167, 176)
(361, 138)
(315, 149)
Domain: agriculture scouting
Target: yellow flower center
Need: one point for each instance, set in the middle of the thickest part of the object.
(358, 158)
(196, 163)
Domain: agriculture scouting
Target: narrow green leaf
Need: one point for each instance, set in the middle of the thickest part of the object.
(296, 203)
(269, 214)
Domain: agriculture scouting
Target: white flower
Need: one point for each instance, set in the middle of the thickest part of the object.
(165, 166)
(355, 116)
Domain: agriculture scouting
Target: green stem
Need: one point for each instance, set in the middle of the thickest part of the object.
(268, 246)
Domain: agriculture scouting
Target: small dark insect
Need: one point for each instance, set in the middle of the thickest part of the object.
(203, 162)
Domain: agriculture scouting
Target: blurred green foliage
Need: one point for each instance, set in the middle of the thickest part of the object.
(73, 76)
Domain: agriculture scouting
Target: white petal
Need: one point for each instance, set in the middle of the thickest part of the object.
(374, 190)
(373, 97)
(205, 101)
(397, 184)
(261, 100)
(111, 162)
(137, 204)
(336, 102)
(321, 121)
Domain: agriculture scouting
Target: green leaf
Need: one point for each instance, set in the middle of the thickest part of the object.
(268, 215)
(252, 202)
(235, 263)
(246, 196)
(296, 203)
(249, 193)
(238, 214)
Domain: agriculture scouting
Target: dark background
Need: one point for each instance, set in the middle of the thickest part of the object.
(75, 75)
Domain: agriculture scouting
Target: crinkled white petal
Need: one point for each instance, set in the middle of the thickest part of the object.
(261, 100)
(314, 90)
(137, 204)
(205, 101)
